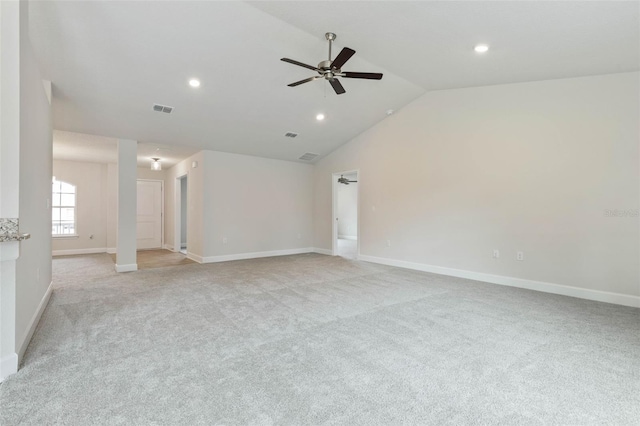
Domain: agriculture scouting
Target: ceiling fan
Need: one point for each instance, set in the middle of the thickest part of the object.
(345, 181)
(330, 70)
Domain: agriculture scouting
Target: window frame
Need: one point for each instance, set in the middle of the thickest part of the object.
(60, 207)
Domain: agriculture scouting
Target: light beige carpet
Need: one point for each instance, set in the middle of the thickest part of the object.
(150, 259)
(312, 339)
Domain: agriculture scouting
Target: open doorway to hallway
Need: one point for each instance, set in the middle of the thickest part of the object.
(345, 208)
(181, 207)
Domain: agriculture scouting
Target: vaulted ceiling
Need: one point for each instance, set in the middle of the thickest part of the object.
(110, 61)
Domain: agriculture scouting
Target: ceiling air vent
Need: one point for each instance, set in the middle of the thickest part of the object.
(308, 156)
(162, 108)
(291, 134)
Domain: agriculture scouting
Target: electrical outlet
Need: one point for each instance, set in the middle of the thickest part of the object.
(519, 255)
(388, 243)
(224, 240)
(496, 254)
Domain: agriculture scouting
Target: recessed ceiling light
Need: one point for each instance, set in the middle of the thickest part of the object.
(320, 117)
(194, 82)
(481, 48)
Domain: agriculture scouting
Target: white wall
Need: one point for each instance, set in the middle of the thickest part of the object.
(97, 200)
(195, 228)
(530, 167)
(92, 202)
(33, 267)
(147, 173)
(257, 204)
(347, 208)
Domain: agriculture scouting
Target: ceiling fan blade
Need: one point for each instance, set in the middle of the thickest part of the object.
(300, 64)
(342, 58)
(306, 80)
(337, 86)
(367, 75)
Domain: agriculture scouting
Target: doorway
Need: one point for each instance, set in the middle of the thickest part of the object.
(149, 214)
(346, 242)
(181, 214)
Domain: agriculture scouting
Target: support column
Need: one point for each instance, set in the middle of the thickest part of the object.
(127, 206)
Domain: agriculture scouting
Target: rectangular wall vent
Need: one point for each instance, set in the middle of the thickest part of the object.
(308, 156)
(291, 134)
(162, 108)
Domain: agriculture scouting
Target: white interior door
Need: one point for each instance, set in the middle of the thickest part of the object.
(149, 214)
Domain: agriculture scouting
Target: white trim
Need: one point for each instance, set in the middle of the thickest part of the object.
(127, 268)
(168, 247)
(8, 366)
(565, 290)
(322, 251)
(65, 236)
(35, 319)
(347, 237)
(80, 251)
(195, 257)
(256, 255)
(112, 250)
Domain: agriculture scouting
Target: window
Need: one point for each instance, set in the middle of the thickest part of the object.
(63, 209)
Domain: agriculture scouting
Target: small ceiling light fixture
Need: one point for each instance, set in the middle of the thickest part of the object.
(155, 164)
(194, 82)
(481, 48)
(320, 117)
(389, 111)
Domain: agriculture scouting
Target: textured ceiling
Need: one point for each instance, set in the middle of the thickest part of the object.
(110, 61)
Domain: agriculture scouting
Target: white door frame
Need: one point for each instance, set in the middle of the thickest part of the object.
(334, 210)
(161, 207)
(177, 230)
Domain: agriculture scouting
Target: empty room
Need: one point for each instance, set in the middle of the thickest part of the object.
(310, 213)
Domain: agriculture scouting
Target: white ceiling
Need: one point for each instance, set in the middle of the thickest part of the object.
(101, 149)
(110, 61)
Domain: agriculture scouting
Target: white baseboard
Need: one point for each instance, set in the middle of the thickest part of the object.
(127, 268)
(35, 319)
(80, 251)
(168, 247)
(348, 237)
(255, 255)
(112, 250)
(565, 290)
(195, 257)
(322, 251)
(8, 366)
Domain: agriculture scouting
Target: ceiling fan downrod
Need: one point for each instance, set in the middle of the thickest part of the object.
(330, 37)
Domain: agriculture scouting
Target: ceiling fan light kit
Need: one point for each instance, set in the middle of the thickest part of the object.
(331, 70)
